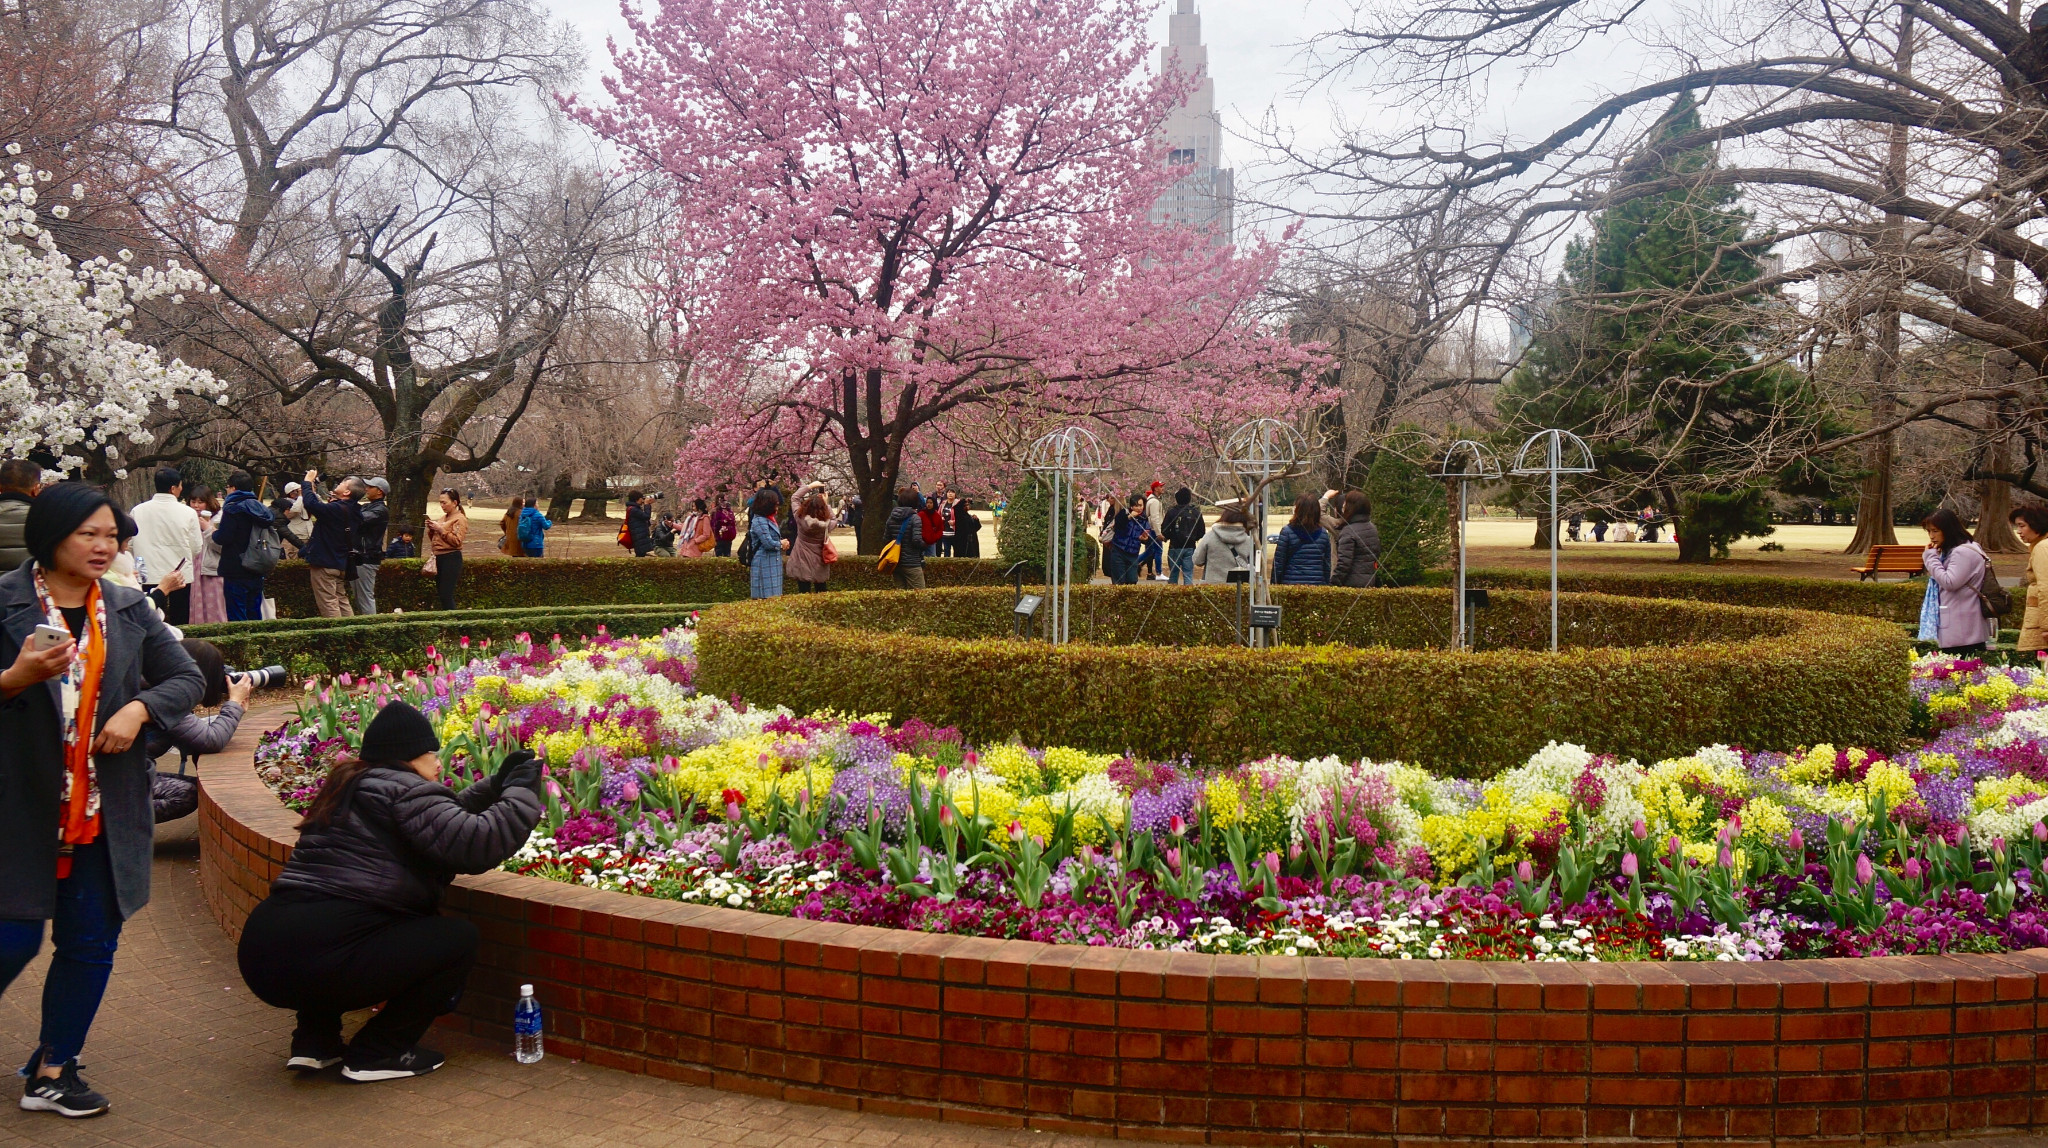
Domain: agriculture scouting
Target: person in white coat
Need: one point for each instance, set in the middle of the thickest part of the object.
(168, 538)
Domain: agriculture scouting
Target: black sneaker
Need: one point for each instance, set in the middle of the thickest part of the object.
(414, 1061)
(312, 1054)
(64, 1094)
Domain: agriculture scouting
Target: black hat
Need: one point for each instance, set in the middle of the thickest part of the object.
(399, 733)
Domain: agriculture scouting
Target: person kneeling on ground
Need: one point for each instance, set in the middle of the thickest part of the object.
(352, 921)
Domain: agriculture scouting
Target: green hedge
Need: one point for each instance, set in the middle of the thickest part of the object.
(496, 583)
(1894, 601)
(1648, 679)
(309, 646)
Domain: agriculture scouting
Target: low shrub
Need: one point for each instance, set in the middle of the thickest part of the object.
(490, 583)
(1641, 679)
(1894, 601)
(309, 646)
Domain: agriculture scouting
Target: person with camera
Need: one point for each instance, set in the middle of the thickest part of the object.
(353, 918)
(639, 531)
(76, 827)
(175, 795)
(330, 551)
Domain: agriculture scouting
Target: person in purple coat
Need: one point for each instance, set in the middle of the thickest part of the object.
(1956, 569)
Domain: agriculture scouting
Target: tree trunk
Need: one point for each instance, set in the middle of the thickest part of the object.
(1874, 507)
(1543, 526)
(877, 502)
(560, 497)
(1994, 495)
(593, 507)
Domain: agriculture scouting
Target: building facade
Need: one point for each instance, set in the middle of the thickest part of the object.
(1204, 197)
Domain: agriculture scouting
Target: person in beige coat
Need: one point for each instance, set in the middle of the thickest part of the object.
(806, 564)
(2032, 524)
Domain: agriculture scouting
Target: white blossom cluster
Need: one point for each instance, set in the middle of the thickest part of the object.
(70, 378)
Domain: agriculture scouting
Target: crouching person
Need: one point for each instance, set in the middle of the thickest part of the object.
(352, 920)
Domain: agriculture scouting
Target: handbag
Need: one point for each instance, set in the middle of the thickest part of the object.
(431, 564)
(828, 552)
(886, 561)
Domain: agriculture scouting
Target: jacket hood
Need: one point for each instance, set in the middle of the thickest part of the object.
(1230, 532)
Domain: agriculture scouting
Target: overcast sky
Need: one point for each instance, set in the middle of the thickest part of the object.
(1255, 54)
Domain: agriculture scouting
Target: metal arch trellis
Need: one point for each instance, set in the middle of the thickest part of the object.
(1058, 456)
(1554, 452)
(1464, 461)
(1261, 453)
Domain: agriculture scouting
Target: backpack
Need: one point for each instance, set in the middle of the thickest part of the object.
(264, 551)
(530, 537)
(626, 534)
(1180, 525)
(892, 554)
(748, 548)
(1992, 599)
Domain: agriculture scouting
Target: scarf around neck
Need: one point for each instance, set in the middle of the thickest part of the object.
(78, 805)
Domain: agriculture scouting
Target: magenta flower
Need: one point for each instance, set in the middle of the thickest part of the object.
(1525, 872)
(1797, 842)
(1629, 865)
(1912, 869)
(1640, 829)
(1863, 870)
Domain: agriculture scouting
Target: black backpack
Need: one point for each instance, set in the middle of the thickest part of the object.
(746, 551)
(264, 551)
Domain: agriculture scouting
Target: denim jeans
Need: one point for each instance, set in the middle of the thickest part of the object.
(1151, 557)
(1180, 565)
(85, 931)
(244, 597)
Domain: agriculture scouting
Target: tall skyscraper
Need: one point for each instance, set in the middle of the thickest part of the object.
(1193, 135)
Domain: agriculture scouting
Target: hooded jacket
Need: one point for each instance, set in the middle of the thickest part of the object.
(399, 839)
(1358, 554)
(1226, 547)
(239, 517)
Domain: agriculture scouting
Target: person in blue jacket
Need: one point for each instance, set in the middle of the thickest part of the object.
(239, 517)
(1302, 557)
(533, 529)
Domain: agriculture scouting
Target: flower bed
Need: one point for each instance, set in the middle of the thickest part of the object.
(1721, 854)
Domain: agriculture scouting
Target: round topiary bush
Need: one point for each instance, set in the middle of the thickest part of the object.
(1359, 674)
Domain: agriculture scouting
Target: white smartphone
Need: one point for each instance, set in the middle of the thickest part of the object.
(48, 637)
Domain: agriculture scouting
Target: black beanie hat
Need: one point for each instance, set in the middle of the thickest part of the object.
(399, 733)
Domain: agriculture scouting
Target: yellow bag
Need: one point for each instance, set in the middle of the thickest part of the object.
(885, 562)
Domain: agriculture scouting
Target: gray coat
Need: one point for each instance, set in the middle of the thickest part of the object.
(139, 649)
(1358, 554)
(13, 526)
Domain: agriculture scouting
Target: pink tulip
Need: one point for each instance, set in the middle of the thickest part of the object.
(1912, 869)
(1798, 843)
(465, 641)
(1863, 870)
(1294, 851)
(1173, 859)
(346, 681)
(946, 815)
(1724, 858)
(1640, 829)
(1674, 848)
(943, 771)
(554, 790)
(1273, 863)
(1629, 865)
(1177, 827)
(1089, 855)
(630, 791)
(1525, 872)
(971, 758)
(732, 811)
(1956, 835)
(2041, 832)
(1017, 832)
(1998, 846)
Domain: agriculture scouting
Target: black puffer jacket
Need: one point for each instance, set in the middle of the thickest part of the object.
(399, 839)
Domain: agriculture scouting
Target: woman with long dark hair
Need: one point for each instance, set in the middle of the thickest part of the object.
(1358, 543)
(1302, 556)
(807, 565)
(76, 826)
(353, 918)
(444, 542)
(1951, 615)
(764, 571)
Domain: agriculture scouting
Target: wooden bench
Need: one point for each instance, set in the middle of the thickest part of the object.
(1891, 560)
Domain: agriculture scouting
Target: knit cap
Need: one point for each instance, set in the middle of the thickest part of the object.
(399, 733)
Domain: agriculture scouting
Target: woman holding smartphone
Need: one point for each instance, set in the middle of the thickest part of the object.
(77, 825)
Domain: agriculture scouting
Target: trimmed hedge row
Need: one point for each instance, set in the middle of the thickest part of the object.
(1894, 601)
(526, 583)
(497, 583)
(1648, 679)
(309, 646)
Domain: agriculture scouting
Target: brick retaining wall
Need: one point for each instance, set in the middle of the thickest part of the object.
(1219, 1049)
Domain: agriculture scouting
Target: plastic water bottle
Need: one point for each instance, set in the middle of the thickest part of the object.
(526, 1043)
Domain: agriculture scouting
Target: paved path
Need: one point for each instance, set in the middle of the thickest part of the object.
(188, 1057)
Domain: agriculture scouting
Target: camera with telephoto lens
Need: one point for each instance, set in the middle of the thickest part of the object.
(261, 679)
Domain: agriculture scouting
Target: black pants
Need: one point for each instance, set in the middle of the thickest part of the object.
(722, 548)
(178, 606)
(325, 956)
(447, 572)
(803, 587)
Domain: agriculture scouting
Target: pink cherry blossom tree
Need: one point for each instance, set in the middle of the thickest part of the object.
(888, 217)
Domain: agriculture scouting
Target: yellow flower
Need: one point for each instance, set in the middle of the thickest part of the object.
(1225, 801)
(1765, 824)
(1998, 792)
(1064, 766)
(1015, 765)
(1942, 764)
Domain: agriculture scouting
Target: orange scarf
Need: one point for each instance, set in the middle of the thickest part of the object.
(78, 809)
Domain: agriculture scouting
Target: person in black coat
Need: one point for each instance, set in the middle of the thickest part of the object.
(76, 823)
(352, 920)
